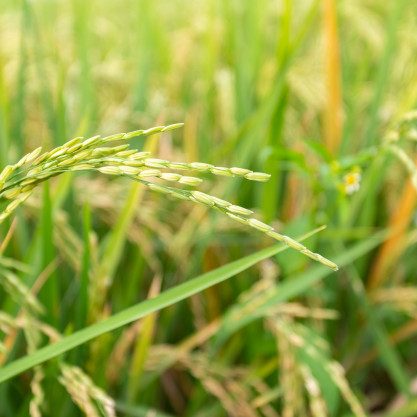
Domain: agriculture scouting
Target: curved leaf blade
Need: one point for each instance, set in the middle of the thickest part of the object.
(138, 311)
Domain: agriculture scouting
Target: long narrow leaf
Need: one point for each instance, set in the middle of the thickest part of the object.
(167, 298)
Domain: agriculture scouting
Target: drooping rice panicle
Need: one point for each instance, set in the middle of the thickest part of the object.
(92, 400)
(18, 291)
(18, 181)
(239, 214)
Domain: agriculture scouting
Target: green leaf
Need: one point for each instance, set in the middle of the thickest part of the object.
(289, 289)
(49, 295)
(138, 311)
(82, 305)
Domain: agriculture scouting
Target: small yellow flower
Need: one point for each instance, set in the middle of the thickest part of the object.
(351, 181)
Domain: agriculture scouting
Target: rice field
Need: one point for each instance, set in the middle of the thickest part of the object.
(208, 208)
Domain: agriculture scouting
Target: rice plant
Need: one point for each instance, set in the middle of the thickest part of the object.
(18, 181)
(179, 270)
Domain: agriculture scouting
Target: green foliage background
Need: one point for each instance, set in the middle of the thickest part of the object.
(254, 83)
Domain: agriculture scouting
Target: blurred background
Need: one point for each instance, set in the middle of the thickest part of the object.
(320, 94)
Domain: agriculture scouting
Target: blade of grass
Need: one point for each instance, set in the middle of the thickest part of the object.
(82, 303)
(271, 190)
(142, 346)
(333, 111)
(290, 289)
(81, 27)
(167, 298)
(49, 294)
